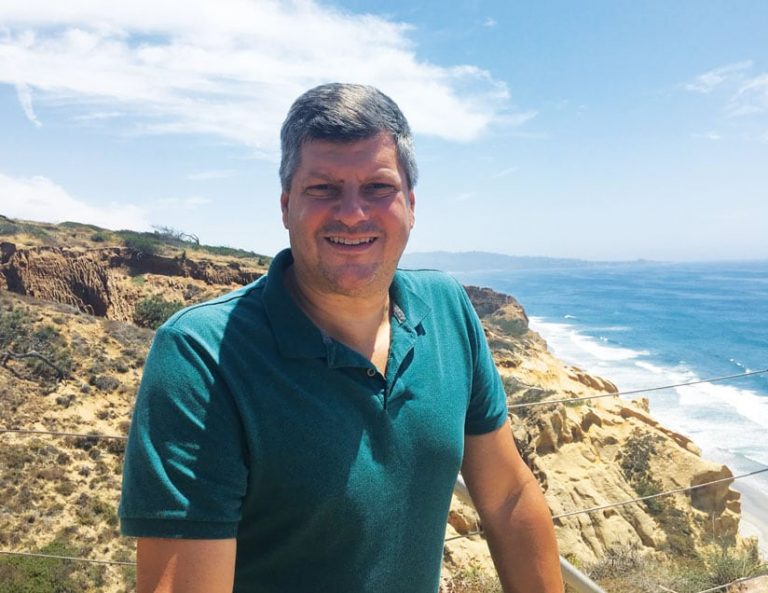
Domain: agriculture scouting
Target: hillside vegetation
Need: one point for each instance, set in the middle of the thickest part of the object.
(78, 305)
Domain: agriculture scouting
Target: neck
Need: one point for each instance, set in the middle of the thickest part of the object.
(362, 323)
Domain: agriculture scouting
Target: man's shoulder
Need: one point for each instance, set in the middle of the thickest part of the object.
(425, 282)
(440, 292)
(218, 310)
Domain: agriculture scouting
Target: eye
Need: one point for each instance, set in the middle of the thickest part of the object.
(380, 189)
(321, 190)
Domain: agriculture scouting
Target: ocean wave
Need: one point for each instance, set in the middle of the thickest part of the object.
(568, 343)
(744, 402)
(727, 421)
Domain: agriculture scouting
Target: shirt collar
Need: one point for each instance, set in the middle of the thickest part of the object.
(298, 337)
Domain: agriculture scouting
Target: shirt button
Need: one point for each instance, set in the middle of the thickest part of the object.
(371, 372)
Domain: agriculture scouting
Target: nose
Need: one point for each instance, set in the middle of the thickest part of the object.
(352, 207)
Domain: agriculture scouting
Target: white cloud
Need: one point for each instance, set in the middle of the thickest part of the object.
(232, 67)
(490, 22)
(25, 99)
(709, 81)
(751, 98)
(38, 198)
(504, 172)
(100, 115)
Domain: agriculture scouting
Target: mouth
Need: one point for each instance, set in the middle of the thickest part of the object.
(351, 242)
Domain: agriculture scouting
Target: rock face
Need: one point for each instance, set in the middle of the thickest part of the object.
(96, 281)
(578, 452)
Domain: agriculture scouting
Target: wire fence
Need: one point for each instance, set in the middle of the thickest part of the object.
(22, 431)
(62, 434)
(571, 400)
(631, 500)
(68, 558)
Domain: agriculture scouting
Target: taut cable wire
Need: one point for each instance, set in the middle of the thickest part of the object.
(62, 434)
(635, 391)
(631, 501)
(70, 558)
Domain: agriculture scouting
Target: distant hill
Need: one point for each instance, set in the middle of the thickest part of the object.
(476, 261)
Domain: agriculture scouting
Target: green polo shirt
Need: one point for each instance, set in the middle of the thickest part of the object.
(250, 423)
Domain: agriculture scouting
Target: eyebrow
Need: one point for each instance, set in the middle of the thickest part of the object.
(319, 175)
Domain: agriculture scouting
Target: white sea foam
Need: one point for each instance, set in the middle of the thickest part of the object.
(566, 342)
(726, 421)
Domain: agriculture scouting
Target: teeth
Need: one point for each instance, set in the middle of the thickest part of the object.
(343, 241)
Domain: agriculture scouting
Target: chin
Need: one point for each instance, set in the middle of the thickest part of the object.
(359, 282)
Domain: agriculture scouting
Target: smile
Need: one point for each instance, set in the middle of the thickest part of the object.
(345, 241)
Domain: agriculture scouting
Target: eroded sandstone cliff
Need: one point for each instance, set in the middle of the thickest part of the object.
(584, 454)
(107, 282)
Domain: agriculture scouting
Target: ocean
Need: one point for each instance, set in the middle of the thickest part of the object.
(644, 325)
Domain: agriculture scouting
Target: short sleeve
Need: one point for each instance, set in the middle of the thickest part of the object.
(185, 469)
(487, 409)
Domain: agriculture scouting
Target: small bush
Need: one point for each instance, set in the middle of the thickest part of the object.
(636, 455)
(616, 562)
(474, 580)
(725, 565)
(104, 383)
(144, 243)
(153, 311)
(7, 227)
(40, 351)
(39, 575)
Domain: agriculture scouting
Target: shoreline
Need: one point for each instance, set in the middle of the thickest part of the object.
(754, 514)
(754, 500)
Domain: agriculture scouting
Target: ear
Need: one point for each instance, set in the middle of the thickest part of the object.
(284, 207)
(412, 206)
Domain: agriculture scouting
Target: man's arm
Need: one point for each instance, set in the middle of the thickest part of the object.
(514, 514)
(185, 565)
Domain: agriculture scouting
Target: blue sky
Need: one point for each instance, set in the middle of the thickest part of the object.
(598, 130)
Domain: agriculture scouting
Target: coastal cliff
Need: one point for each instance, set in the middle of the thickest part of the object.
(595, 453)
(73, 300)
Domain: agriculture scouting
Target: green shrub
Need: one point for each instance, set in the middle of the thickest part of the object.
(233, 252)
(20, 336)
(474, 580)
(105, 383)
(725, 565)
(68, 224)
(153, 311)
(7, 227)
(145, 245)
(20, 574)
(636, 456)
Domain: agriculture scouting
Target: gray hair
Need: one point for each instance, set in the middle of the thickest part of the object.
(343, 113)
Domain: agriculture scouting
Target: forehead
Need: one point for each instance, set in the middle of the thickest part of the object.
(366, 155)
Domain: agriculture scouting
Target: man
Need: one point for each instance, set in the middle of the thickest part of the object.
(304, 433)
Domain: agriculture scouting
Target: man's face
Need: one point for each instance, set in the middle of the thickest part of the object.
(349, 212)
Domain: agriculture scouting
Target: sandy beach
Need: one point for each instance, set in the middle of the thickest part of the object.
(754, 514)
